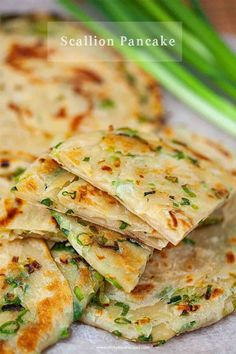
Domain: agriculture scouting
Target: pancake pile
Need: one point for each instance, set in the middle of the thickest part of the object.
(106, 216)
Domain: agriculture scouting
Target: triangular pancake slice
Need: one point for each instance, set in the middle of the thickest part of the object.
(169, 185)
(84, 281)
(45, 183)
(19, 219)
(120, 260)
(35, 299)
(182, 289)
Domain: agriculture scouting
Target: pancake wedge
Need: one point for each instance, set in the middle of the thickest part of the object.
(19, 219)
(83, 280)
(43, 100)
(170, 186)
(36, 301)
(45, 183)
(120, 260)
(182, 289)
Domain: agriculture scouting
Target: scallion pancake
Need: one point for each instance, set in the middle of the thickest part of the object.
(169, 185)
(19, 219)
(45, 183)
(43, 100)
(119, 259)
(35, 299)
(182, 289)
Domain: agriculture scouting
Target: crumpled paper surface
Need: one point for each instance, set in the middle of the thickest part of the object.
(219, 338)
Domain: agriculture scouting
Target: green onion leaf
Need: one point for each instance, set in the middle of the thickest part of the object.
(122, 320)
(78, 293)
(187, 190)
(124, 306)
(123, 225)
(114, 282)
(144, 338)
(48, 202)
(65, 333)
(71, 194)
(117, 333)
(86, 158)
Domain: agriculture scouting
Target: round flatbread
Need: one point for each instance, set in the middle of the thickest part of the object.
(43, 100)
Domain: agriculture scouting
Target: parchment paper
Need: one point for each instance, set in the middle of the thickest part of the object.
(216, 339)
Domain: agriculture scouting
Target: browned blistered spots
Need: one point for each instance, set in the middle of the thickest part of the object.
(143, 321)
(234, 172)
(163, 254)
(11, 211)
(230, 257)
(29, 185)
(61, 113)
(216, 292)
(173, 223)
(4, 163)
(126, 143)
(15, 155)
(220, 191)
(53, 221)
(47, 166)
(47, 310)
(117, 162)
(19, 53)
(99, 312)
(14, 107)
(142, 289)
(189, 279)
(186, 308)
(84, 192)
(4, 349)
(232, 240)
(178, 142)
(219, 148)
(64, 259)
(19, 109)
(53, 286)
(186, 224)
(21, 114)
(76, 121)
(84, 275)
(81, 75)
(106, 168)
(168, 131)
(75, 155)
(198, 154)
(100, 257)
(15, 259)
